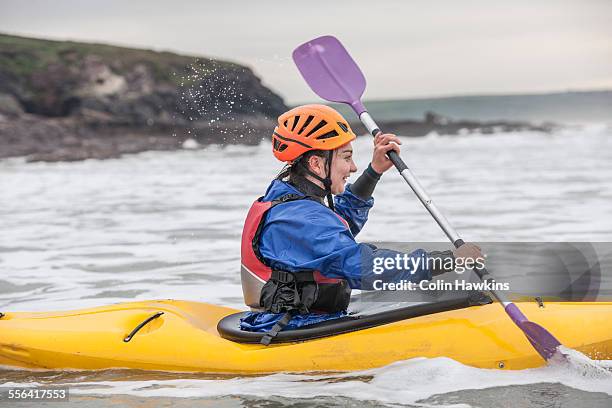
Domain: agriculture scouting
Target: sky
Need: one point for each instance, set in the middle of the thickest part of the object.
(406, 49)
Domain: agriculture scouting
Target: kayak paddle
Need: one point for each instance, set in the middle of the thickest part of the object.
(332, 74)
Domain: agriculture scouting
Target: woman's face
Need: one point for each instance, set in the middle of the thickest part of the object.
(342, 167)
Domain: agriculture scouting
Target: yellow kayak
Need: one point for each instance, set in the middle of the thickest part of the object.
(173, 335)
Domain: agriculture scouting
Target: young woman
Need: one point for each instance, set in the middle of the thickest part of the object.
(300, 259)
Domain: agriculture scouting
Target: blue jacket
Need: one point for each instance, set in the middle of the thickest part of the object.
(306, 235)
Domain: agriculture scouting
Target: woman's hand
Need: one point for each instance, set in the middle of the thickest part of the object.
(383, 143)
(469, 251)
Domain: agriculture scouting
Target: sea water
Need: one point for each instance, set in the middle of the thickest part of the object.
(168, 225)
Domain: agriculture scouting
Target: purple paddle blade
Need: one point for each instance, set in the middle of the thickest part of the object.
(330, 71)
(545, 343)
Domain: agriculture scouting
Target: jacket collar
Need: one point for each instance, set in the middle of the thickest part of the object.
(308, 188)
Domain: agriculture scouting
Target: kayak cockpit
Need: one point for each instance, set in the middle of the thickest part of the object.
(229, 326)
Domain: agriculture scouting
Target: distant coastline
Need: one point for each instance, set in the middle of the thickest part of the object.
(560, 107)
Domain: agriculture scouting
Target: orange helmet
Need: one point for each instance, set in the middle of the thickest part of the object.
(309, 127)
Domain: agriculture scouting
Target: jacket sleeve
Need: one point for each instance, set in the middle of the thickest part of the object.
(318, 240)
(353, 209)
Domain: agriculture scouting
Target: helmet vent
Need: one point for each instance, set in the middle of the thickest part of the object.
(295, 121)
(343, 126)
(285, 123)
(279, 146)
(319, 126)
(327, 135)
(308, 120)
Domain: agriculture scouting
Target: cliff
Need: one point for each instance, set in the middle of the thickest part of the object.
(71, 101)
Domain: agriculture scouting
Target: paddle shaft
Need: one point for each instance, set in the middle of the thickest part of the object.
(420, 192)
(414, 184)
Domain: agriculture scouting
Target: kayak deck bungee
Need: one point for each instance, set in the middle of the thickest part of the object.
(185, 338)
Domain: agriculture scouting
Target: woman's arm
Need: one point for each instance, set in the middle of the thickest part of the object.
(317, 240)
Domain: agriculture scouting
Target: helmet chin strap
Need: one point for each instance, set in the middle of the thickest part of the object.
(327, 182)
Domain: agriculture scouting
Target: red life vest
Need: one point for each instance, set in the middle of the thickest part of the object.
(255, 273)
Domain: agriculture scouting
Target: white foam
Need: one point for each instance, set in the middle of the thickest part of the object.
(403, 382)
(577, 363)
(190, 144)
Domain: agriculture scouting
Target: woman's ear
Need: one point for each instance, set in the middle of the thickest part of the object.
(317, 165)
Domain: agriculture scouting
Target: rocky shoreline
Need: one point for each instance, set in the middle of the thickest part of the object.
(68, 101)
(68, 139)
